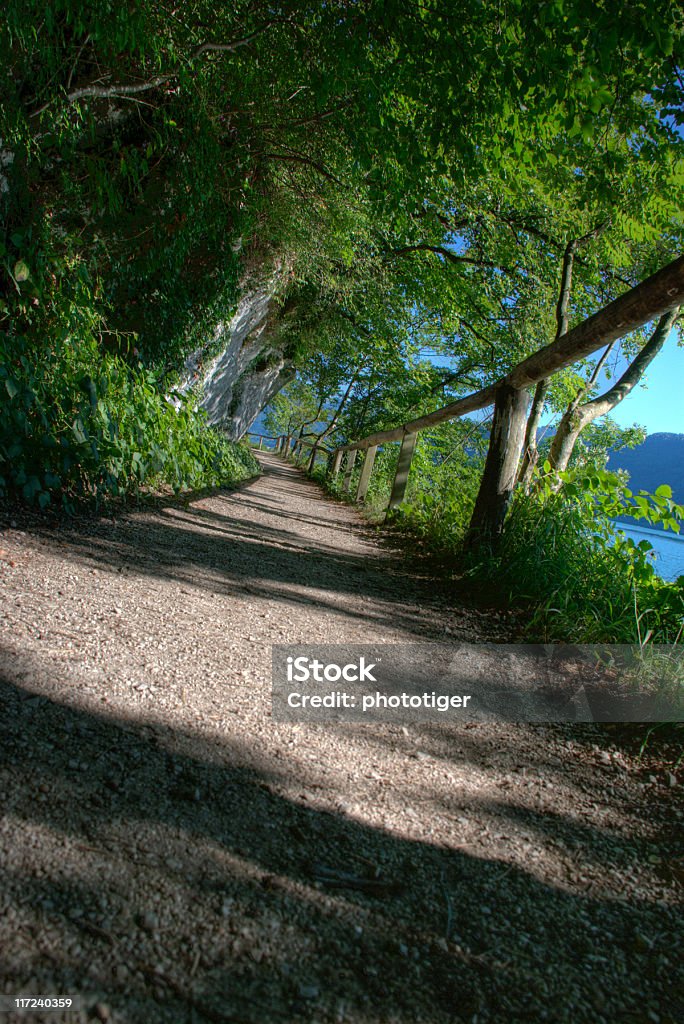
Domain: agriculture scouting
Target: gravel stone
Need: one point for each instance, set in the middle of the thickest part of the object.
(169, 865)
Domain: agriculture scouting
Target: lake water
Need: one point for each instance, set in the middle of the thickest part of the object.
(669, 548)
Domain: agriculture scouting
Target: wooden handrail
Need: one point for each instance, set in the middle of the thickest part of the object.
(656, 295)
(312, 444)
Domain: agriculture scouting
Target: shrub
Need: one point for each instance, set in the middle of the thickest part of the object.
(563, 555)
(82, 425)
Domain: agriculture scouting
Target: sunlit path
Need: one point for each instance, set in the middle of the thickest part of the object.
(169, 851)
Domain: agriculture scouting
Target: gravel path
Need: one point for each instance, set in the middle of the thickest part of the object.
(169, 853)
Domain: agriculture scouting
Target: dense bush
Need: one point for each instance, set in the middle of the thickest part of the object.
(113, 436)
(562, 555)
(440, 495)
(81, 425)
(80, 417)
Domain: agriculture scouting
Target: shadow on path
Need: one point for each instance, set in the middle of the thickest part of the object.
(156, 850)
(234, 544)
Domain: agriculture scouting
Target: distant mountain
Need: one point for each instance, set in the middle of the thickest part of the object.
(659, 460)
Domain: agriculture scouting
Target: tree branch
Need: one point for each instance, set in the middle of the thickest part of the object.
(658, 294)
(565, 289)
(452, 225)
(599, 365)
(452, 257)
(636, 369)
(133, 89)
(575, 420)
(299, 159)
(530, 451)
(236, 43)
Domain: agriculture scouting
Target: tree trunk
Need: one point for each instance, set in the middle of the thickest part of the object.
(501, 467)
(531, 453)
(569, 429)
(575, 419)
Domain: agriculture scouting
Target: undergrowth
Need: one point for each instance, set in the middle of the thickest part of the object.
(83, 427)
(562, 559)
(581, 579)
(82, 419)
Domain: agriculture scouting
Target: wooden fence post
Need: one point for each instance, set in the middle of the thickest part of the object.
(406, 451)
(261, 442)
(349, 469)
(366, 471)
(312, 460)
(501, 466)
(337, 462)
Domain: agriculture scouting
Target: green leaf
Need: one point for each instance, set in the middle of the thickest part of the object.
(79, 431)
(31, 488)
(21, 271)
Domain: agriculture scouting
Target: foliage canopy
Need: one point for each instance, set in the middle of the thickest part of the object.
(414, 170)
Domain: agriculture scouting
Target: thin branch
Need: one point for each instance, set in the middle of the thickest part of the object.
(299, 159)
(599, 365)
(330, 427)
(439, 250)
(452, 225)
(78, 57)
(121, 89)
(235, 44)
(102, 92)
(530, 447)
(565, 288)
(636, 369)
(566, 276)
(462, 443)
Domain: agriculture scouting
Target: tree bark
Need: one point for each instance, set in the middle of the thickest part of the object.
(501, 466)
(530, 451)
(658, 294)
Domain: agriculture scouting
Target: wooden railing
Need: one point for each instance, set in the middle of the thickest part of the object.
(262, 437)
(293, 447)
(658, 294)
(349, 454)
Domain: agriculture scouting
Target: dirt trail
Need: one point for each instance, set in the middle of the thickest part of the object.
(163, 843)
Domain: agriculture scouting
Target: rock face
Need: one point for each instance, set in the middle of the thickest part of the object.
(253, 365)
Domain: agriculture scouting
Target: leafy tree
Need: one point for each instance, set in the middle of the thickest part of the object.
(399, 163)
